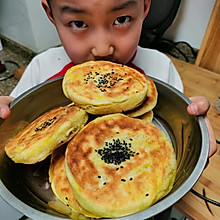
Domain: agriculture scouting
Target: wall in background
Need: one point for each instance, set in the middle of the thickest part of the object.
(191, 22)
(25, 22)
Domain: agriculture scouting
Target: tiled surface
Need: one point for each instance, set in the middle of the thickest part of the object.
(14, 56)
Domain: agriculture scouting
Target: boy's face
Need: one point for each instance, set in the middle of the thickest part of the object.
(98, 29)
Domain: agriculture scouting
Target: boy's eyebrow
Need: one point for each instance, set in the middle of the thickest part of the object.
(127, 4)
(68, 9)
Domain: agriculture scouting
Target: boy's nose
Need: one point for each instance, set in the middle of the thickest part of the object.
(102, 46)
(102, 50)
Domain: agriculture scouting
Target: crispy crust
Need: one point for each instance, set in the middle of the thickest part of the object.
(102, 87)
(46, 133)
(147, 117)
(60, 184)
(119, 165)
(148, 104)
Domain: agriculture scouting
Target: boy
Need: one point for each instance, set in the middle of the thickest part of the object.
(94, 30)
(100, 30)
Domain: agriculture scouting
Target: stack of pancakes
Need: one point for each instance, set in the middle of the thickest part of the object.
(115, 161)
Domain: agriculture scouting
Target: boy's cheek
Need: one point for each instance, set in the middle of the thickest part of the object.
(126, 50)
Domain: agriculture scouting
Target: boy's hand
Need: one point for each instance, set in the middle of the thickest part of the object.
(4, 106)
(199, 106)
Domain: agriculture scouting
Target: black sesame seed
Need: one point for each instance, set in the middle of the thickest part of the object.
(115, 152)
(147, 194)
(131, 178)
(104, 183)
(99, 177)
(123, 180)
(45, 124)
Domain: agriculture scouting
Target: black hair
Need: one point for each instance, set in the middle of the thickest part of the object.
(48, 2)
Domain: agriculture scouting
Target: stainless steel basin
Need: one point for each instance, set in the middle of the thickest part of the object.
(26, 187)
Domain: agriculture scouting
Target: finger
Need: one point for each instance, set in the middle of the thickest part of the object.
(4, 106)
(5, 112)
(199, 106)
(212, 140)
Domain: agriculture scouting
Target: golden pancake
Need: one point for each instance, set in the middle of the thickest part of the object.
(60, 184)
(102, 87)
(117, 165)
(149, 103)
(147, 117)
(46, 133)
(59, 206)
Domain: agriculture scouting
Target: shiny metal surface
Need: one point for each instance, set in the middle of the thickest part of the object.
(26, 187)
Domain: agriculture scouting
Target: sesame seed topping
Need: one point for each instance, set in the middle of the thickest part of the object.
(103, 80)
(116, 152)
(123, 180)
(45, 124)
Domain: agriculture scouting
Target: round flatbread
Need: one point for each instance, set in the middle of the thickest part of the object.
(60, 184)
(46, 133)
(117, 165)
(147, 117)
(102, 87)
(149, 103)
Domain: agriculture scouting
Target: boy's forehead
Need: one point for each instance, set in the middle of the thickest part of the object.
(96, 2)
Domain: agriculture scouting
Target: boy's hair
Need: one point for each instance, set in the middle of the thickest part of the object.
(48, 2)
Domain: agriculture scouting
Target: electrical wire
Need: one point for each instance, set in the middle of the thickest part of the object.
(6, 74)
(176, 48)
(205, 198)
(173, 48)
(190, 47)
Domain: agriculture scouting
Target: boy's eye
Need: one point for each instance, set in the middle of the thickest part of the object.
(78, 24)
(122, 20)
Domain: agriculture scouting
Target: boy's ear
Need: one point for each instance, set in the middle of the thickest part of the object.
(146, 7)
(47, 9)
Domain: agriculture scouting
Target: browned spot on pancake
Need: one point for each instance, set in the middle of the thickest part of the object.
(148, 103)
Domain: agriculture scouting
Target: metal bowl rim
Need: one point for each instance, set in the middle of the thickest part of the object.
(151, 211)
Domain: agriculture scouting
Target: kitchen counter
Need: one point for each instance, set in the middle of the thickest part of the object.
(199, 81)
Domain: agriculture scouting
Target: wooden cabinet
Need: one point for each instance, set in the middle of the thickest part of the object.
(209, 53)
